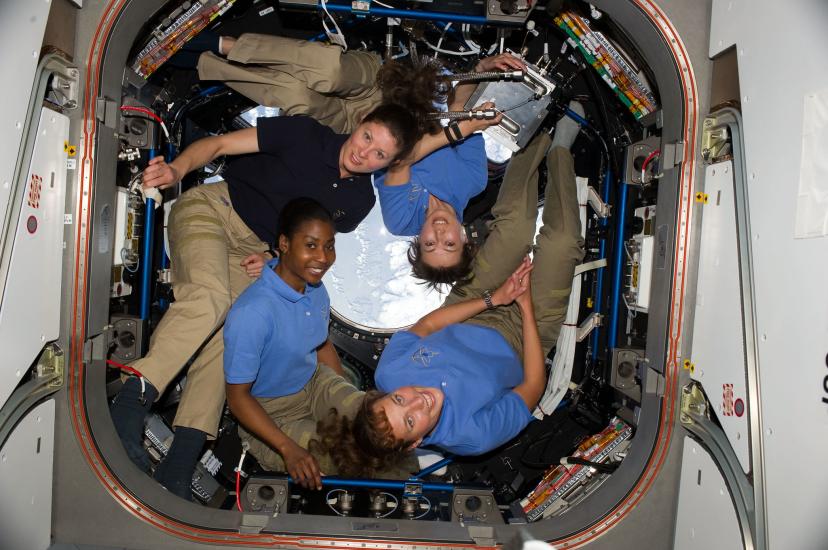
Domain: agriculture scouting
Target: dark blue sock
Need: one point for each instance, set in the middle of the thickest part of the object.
(176, 470)
(128, 412)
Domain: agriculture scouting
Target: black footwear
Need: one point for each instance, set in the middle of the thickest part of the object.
(175, 472)
(129, 409)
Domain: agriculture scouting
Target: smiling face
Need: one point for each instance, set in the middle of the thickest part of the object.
(442, 236)
(307, 254)
(370, 148)
(412, 411)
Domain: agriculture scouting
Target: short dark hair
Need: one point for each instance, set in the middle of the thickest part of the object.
(459, 273)
(402, 124)
(299, 210)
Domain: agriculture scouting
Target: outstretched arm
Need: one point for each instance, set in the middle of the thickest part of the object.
(300, 464)
(399, 173)
(501, 62)
(161, 174)
(442, 317)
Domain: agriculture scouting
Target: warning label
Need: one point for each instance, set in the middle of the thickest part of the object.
(727, 400)
(35, 185)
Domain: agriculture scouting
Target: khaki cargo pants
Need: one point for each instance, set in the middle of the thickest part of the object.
(208, 241)
(297, 415)
(558, 250)
(303, 78)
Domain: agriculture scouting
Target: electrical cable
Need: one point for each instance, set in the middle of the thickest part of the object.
(150, 114)
(633, 313)
(521, 104)
(442, 36)
(599, 466)
(427, 509)
(238, 476)
(328, 498)
(132, 371)
(338, 37)
(124, 252)
(396, 505)
(449, 52)
(627, 250)
(125, 368)
(238, 490)
(647, 160)
(471, 44)
(403, 51)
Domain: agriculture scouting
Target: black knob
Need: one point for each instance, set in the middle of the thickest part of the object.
(126, 339)
(626, 369)
(473, 504)
(266, 492)
(638, 163)
(509, 7)
(137, 126)
(636, 225)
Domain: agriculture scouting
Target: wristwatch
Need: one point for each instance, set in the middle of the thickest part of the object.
(487, 297)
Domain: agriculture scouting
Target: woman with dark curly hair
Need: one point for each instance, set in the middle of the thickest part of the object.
(303, 77)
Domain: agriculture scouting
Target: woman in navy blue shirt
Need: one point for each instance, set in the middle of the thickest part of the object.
(218, 234)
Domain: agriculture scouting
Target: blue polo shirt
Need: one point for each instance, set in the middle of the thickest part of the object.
(476, 369)
(271, 335)
(452, 174)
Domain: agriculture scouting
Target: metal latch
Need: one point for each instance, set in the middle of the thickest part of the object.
(252, 524)
(715, 140)
(672, 154)
(483, 535)
(693, 403)
(50, 364)
(106, 111)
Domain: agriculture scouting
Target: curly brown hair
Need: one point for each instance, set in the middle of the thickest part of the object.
(364, 446)
(416, 87)
(458, 274)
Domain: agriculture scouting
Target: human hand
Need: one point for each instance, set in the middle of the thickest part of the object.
(302, 467)
(524, 301)
(482, 123)
(501, 62)
(516, 287)
(160, 174)
(253, 264)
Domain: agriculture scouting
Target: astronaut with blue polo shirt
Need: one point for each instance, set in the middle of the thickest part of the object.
(452, 175)
(475, 371)
(425, 196)
(282, 373)
(466, 377)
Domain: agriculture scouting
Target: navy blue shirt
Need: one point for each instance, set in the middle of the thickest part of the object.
(298, 157)
(476, 369)
(271, 335)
